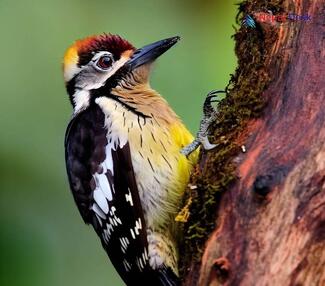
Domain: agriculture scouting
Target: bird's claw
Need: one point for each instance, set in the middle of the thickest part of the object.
(209, 115)
(212, 96)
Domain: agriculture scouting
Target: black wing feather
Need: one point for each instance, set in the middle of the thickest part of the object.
(85, 150)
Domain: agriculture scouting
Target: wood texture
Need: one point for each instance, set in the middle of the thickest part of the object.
(270, 224)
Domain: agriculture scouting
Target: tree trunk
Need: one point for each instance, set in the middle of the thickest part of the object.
(258, 211)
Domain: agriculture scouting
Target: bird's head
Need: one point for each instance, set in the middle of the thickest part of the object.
(97, 64)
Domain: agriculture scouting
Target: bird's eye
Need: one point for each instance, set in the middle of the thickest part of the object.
(104, 62)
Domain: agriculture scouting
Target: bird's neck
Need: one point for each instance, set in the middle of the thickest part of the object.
(147, 101)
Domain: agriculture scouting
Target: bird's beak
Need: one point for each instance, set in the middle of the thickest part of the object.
(150, 52)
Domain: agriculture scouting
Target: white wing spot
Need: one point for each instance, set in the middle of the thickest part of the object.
(140, 264)
(138, 226)
(108, 163)
(103, 191)
(128, 197)
(105, 236)
(107, 232)
(124, 244)
(144, 255)
(102, 183)
(115, 218)
(99, 220)
(111, 221)
(98, 211)
(127, 265)
(110, 229)
(101, 200)
(132, 233)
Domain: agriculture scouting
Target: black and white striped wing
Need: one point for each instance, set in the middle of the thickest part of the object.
(103, 184)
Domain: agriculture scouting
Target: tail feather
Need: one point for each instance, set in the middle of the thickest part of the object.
(167, 277)
(159, 277)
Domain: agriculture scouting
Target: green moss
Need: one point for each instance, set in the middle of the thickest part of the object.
(243, 102)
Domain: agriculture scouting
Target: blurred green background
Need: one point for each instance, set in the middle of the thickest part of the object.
(43, 240)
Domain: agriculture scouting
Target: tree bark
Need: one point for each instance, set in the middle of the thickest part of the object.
(269, 215)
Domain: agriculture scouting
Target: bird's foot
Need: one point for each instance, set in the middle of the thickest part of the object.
(210, 113)
(184, 213)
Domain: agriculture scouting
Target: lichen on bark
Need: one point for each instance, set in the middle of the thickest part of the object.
(244, 101)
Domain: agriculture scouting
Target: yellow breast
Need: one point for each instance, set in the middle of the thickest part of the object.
(161, 171)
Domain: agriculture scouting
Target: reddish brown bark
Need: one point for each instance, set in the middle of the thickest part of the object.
(270, 225)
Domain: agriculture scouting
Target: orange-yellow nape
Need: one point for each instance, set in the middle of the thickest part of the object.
(71, 56)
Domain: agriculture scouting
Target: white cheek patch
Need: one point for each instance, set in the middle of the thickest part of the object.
(81, 99)
(90, 78)
(70, 71)
(91, 81)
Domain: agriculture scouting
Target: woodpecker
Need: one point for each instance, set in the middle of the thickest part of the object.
(128, 155)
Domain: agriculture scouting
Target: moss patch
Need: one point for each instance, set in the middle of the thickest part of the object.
(243, 102)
